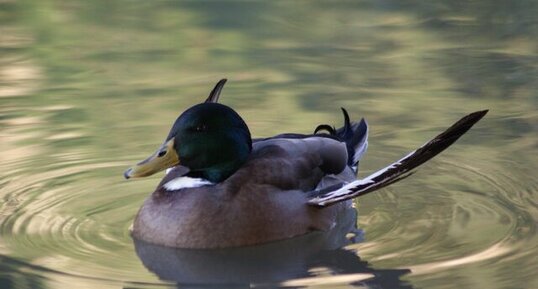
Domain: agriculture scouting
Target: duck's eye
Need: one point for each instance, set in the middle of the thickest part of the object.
(161, 153)
(200, 128)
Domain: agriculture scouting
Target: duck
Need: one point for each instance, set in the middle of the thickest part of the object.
(223, 188)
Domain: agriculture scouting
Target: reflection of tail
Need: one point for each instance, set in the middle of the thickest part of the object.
(355, 135)
(399, 169)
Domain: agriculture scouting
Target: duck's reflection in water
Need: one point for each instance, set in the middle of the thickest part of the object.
(314, 259)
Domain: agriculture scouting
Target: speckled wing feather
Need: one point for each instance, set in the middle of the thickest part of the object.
(397, 170)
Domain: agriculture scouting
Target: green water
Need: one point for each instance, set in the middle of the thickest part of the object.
(89, 87)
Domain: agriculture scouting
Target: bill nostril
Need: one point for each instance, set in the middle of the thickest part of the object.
(161, 153)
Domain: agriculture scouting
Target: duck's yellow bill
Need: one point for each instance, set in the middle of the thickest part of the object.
(165, 157)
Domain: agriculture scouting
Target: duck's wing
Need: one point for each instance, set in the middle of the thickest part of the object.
(215, 93)
(292, 163)
(396, 171)
(353, 134)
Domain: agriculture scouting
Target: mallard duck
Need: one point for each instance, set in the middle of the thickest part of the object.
(225, 189)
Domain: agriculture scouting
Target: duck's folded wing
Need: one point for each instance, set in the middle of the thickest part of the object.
(294, 163)
(397, 170)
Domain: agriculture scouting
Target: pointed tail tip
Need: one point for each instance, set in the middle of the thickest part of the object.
(215, 93)
(476, 116)
(481, 112)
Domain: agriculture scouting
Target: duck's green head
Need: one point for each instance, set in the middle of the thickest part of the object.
(210, 139)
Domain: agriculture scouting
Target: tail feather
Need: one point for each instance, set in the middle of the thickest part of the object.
(397, 170)
(325, 127)
(355, 135)
(358, 143)
(215, 93)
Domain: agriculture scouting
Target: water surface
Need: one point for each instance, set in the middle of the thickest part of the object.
(89, 87)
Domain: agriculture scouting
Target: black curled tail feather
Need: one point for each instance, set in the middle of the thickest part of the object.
(325, 127)
(355, 136)
(397, 170)
(345, 133)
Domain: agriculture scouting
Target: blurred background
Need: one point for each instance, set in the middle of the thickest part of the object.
(89, 87)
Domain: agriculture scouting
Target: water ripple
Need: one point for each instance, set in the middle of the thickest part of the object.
(58, 220)
(437, 233)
